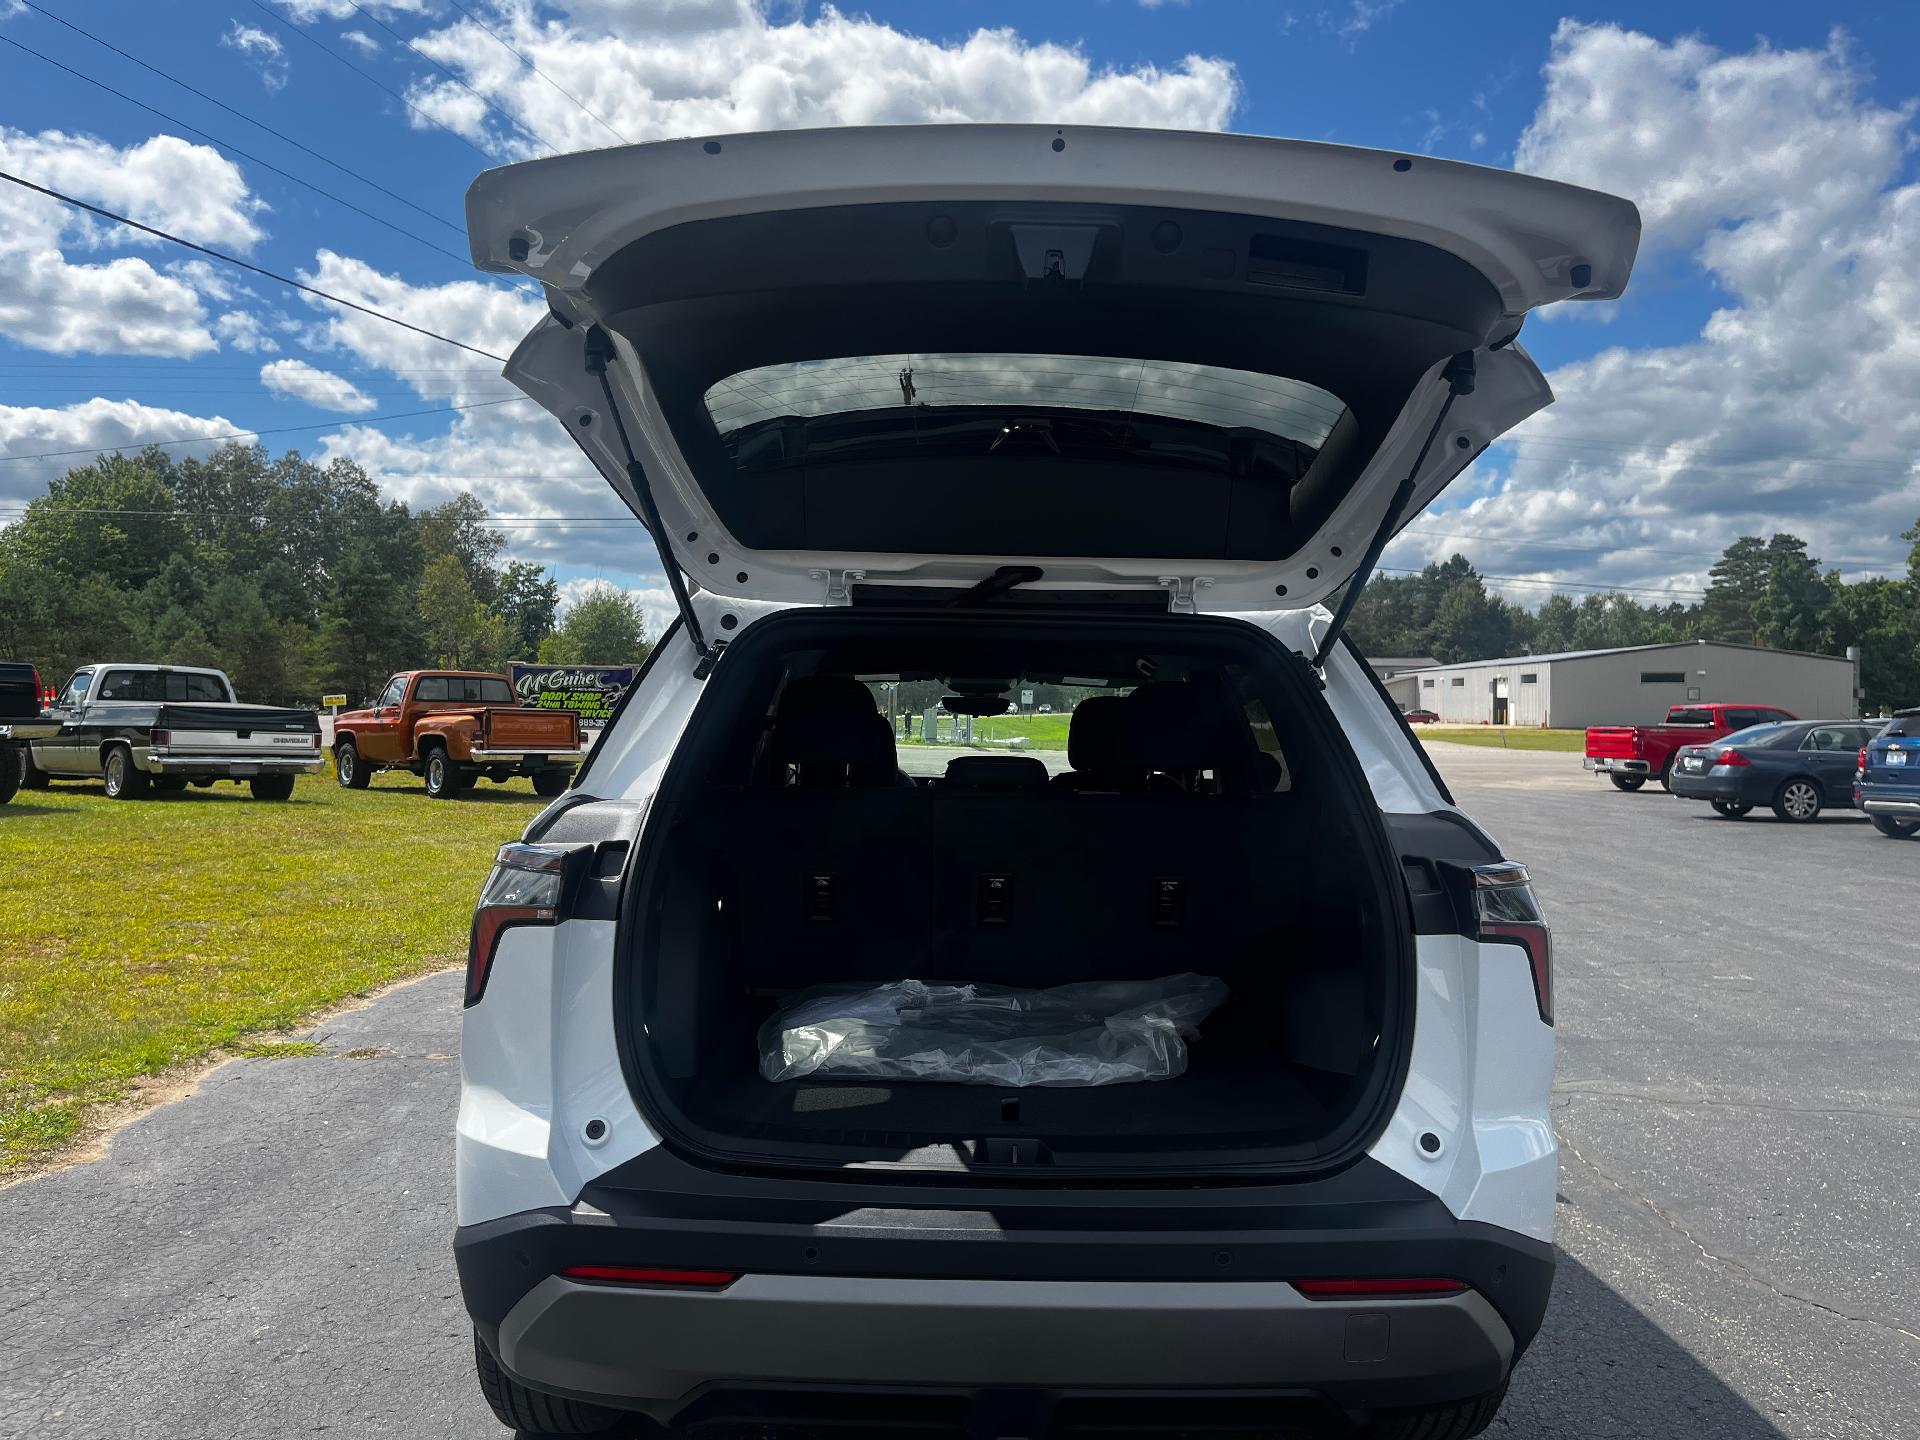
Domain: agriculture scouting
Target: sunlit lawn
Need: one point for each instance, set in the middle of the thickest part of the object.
(1508, 737)
(137, 935)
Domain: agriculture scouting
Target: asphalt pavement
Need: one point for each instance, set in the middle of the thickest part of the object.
(1738, 1110)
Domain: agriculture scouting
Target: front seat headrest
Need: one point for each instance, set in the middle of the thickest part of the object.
(1175, 728)
(828, 729)
(1097, 733)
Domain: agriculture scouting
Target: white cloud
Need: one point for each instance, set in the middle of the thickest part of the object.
(90, 426)
(697, 67)
(361, 41)
(320, 388)
(239, 330)
(307, 11)
(1777, 174)
(267, 53)
(121, 305)
(1357, 19)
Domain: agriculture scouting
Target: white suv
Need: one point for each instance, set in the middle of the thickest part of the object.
(921, 419)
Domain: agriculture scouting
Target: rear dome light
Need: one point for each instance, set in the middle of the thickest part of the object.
(1506, 912)
(1412, 1288)
(524, 889)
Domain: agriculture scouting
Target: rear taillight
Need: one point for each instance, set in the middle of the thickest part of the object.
(158, 736)
(1411, 1288)
(1861, 763)
(525, 888)
(1507, 913)
(1732, 758)
(652, 1275)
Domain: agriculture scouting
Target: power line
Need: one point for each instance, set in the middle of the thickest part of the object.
(220, 144)
(523, 129)
(126, 445)
(242, 115)
(249, 265)
(538, 71)
(370, 78)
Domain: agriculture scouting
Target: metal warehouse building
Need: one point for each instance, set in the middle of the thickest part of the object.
(1633, 685)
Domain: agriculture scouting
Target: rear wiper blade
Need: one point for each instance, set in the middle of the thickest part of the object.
(996, 584)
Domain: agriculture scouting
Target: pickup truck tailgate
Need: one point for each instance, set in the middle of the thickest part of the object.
(532, 730)
(1612, 742)
(238, 730)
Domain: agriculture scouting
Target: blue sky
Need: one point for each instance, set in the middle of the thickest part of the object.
(1758, 375)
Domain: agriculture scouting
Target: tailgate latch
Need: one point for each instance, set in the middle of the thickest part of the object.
(1181, 592)
(839, 584)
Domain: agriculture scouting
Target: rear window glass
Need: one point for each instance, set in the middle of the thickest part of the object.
(155, 687)
(1763, 736)
(464, 690)
(908, 385)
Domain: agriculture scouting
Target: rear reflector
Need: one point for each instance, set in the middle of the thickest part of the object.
(652, 1275)
(1378, 1289)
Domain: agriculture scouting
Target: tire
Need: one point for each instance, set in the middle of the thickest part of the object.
(1626, 782)
(1733, 809)
(169, 784)
(1666, 778)
(11, 766)
(443, 778)
(533, 1412)
(124, 781)
(271, 787)
(551, 782)
(1798, 800)
(1443, 1422)
(1894, 829)
(32, 777)
(349, 772)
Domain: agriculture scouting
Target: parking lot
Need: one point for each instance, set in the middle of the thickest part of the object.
(1737, 1105)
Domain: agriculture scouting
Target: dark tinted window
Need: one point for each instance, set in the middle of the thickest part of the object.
(153, 687)
(1663, 677)
(482, 690)
(1761, 715)
(432, 687)
(1764, 737)
(1832, 737)
(1689, 715)
(1529, 677)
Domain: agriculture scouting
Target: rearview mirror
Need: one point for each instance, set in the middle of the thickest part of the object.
(976, 704)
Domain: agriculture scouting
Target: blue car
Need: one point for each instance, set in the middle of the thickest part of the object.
(1888, 785)
(1796, 769)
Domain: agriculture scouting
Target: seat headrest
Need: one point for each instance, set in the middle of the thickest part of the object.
(996, 772)
(1173, 726)
(1097, 734)
(828, 729)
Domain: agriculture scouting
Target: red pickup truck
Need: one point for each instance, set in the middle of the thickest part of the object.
(451, 727)
(1630, 755)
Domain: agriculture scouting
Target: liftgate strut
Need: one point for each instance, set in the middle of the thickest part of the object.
(599, 353)
(1459, 378)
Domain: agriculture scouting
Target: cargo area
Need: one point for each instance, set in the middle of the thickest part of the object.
(1203, 821)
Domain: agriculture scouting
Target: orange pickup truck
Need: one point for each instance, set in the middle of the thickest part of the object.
(451, 727)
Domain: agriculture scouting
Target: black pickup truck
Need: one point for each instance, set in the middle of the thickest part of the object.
(164, 727)
(21, 720)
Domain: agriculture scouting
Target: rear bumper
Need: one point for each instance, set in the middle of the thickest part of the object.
(1610, 765)
(1706, 787)
(658, 1350)
(851, 1285)
(1900, 807)
(222, 766)
(540, 759)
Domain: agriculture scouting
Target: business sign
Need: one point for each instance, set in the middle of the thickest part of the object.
(590, 691)
(335, 702)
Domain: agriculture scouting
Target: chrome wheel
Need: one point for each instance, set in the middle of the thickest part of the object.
(1799, 800)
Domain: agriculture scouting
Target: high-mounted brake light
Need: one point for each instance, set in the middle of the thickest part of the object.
(1732, 758)
(1506, 912)
(652, 1275)
(524, 889)
(1410, 1288)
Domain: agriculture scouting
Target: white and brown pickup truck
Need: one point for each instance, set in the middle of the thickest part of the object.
(164, 727)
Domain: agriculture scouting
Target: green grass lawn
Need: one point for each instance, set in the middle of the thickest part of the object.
(1042, 732)
(138, 935)
(1573, 742)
